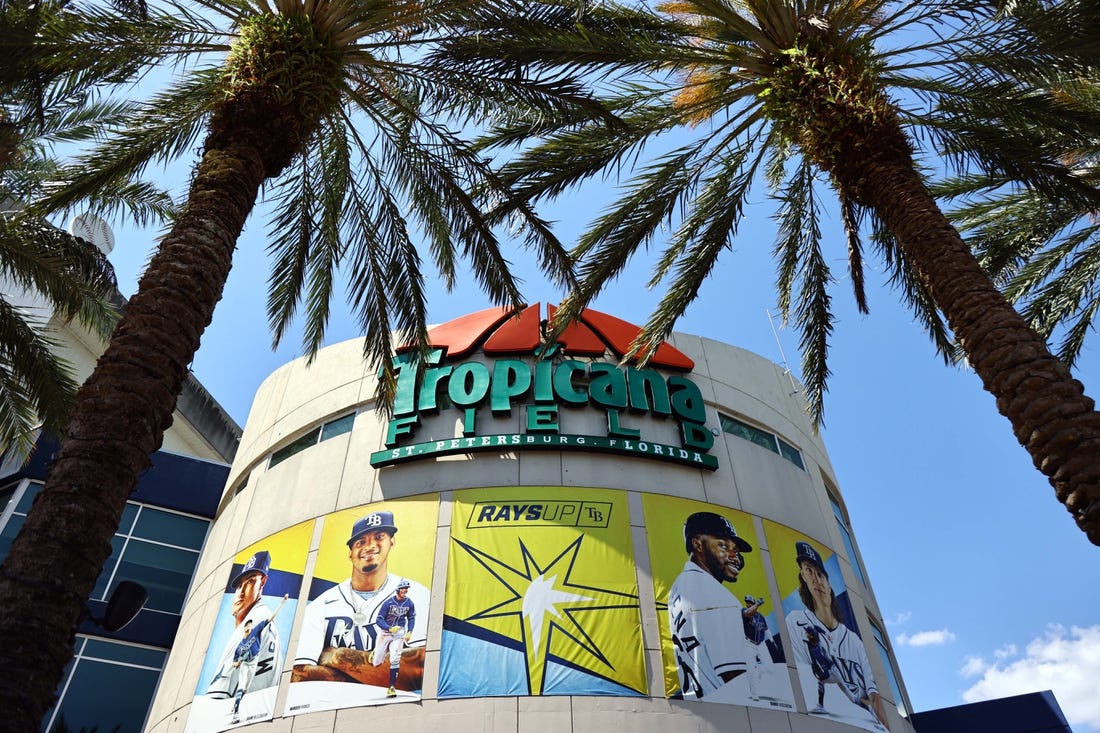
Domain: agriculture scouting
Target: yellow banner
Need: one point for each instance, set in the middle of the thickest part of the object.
(364, 631)
(719, 627)
(542, 595)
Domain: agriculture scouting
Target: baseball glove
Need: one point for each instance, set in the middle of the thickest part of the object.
(821, 662)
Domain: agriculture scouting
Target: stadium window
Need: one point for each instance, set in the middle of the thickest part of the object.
(331, 429)
(89, 698)
(156, 548)
(846, 534)
(306, 441)
(15, 501)
(891, 670)
(791, 453)
(762, 438)
(339, 426)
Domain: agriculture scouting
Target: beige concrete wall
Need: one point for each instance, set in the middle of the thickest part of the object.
(80, 349)
(336, 474)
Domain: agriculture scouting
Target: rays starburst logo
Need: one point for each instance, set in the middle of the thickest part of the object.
(553, 616)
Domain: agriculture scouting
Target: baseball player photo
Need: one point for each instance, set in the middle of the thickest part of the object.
(240, 676)
(362, 640)
(829, 654)
(720, 647)
(396, 619)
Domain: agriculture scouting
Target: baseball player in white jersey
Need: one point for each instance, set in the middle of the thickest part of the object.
(705, 619)
(834, 653)
(266, 663)
(756, 632)
(339, 631)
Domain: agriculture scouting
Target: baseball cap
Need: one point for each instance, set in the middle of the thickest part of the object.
(715, 525)
(806, 553)
(403, 584)
(371, 523)
(260, 563)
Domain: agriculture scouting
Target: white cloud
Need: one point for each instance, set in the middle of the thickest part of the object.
(973, 667)
(900, 619)
(926, 638)
(1066, 661)
(1008, 650)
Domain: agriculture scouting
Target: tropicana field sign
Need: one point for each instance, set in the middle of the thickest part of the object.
(541, 388)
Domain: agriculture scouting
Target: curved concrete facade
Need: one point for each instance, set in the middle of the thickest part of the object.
(336, 474)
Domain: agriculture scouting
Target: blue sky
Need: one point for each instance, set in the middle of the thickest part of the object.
(987, 587)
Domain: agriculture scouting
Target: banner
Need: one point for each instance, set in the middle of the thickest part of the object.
(240, 675)
(542, 595)
(719, 632)
(364, 630)
(833, 669)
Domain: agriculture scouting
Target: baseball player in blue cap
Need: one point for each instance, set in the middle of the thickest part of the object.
(253, 657)
(396, 619)
(705, 618)
(340, 630)
(833, 652)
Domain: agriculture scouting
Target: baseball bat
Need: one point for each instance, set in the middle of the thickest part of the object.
(272, 617)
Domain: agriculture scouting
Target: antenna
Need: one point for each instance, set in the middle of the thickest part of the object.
(783, 357)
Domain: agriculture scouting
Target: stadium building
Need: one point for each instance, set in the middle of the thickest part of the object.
(555, 543)
(585, 544)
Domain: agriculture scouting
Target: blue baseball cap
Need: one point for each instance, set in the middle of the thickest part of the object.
(715, 525)
(806, 553)
(371, 523)
(258, 563)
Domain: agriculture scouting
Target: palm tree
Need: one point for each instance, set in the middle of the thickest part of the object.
(48, 97)
(337, 108)
(1043, 247)
(74, 281)
(1043, 253)
(43, 87)
(802, 94)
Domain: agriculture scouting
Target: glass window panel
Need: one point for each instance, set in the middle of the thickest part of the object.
(8, 533)
(791, 453)
(24, 505)
(339, 426)
(849, 545)
(762, 438)
(6, 494)
(125, 653)
(172, 529)
(165, 572)
(307, 440)
(128, 515)
(891, 671)
(64, 680)
(857, 566)
(93, 699)
(117, 543)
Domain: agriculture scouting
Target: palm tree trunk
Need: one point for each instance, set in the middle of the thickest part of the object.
(120, 417)
(1050, 414)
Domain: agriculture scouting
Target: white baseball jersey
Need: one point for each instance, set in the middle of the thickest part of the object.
(331, 619)
(268, 664)
(708, 634)
(841, 644)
